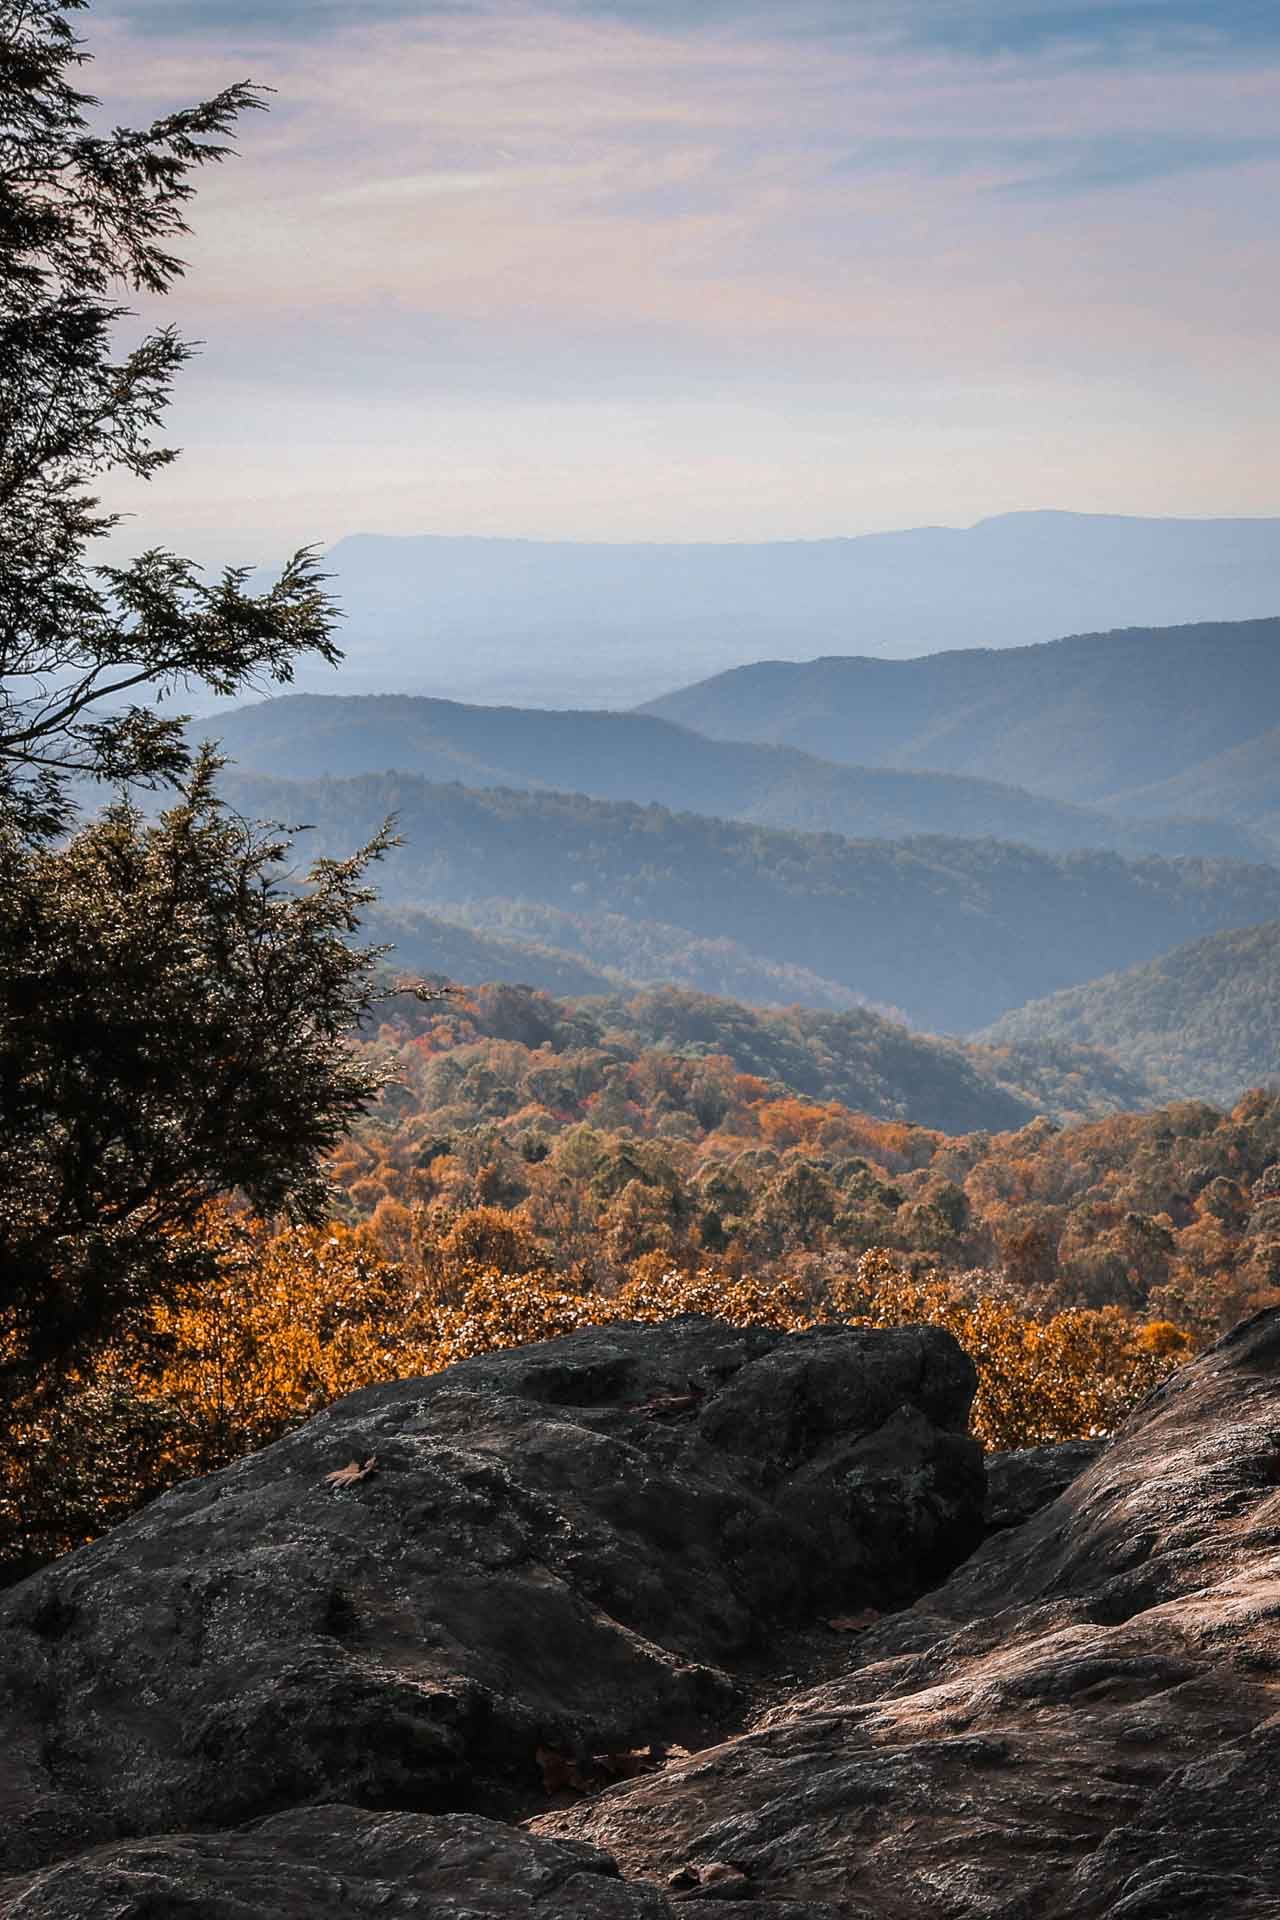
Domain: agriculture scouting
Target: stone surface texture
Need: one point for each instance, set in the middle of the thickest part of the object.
(570, 1546)
(1084, 1721)
(262, 1699)
(1020, 1484)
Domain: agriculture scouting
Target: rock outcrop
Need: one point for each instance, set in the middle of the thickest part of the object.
(1084, 1721)
(569, 1547)
(1020, 1484)
(624, 1537)
(340, 1863)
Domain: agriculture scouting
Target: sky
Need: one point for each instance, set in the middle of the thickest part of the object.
(634, 270)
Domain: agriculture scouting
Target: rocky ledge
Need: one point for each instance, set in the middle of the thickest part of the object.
(408, 1689)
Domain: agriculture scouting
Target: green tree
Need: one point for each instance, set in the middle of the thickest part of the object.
(172, 1021)
(85, 219)
(172, 1008)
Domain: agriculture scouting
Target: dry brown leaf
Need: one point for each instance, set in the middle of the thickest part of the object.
(560, 1771)
(629, 1765)
(353, 1471)
(855, 1622)
(665, 1403)
(718, 1880)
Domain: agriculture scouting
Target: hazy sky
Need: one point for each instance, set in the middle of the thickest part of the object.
(716, 271)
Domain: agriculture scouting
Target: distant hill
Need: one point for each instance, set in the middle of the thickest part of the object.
(856, 1058)
(1087, 719)
(566, 623)
(429, 943)
(633, 756)
(1202, 1021)
(954, 932)
(1241, 785)
(576, 953)
(875, 1065)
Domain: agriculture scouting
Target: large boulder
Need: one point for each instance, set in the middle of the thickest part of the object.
(568, 1546)
(336, 1863)
(1084, 1721)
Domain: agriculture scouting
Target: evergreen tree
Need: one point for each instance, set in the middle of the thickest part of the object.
(171, 1011)
(84, 219)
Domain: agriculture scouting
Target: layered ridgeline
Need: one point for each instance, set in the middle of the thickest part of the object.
(1165, 721)
(1203, 1020)
(952, 932)
(632, 756)
(570, 623)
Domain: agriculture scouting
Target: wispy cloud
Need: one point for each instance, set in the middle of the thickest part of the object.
(1164, 30)
(1010, 225)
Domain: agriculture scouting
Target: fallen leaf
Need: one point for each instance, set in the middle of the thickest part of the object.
(664, 1403)
(855, 1622)
(353, 1471)
(629, 1765)
(559, 1772)
(718, 1880)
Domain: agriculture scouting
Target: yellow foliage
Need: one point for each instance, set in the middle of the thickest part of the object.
(1072, 1376)
(489, 1237)
(653, 1296)
(292, 1321)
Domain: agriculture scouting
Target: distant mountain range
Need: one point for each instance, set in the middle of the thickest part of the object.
(561, 623)
(1160, 721)
(1057, 907)
(954, 932)
(1203, 1020)
(635, 756)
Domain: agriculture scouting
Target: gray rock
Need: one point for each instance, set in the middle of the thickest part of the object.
(1081, 1724)
(1020, 1484)
(567, 1545)
(337, 1863)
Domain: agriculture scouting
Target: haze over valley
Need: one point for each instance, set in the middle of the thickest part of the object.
(606, 624)
(584, 850)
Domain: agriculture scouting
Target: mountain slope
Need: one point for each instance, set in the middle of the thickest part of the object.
(1242, 785)
(633, 756)
(578, 953)
(1082, 719)
(955, 932)
(1202, 1021)
(567, 623)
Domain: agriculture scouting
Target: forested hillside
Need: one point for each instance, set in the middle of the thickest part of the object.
(631, 756)
(590, 953)
(1203, 1020)
(952, 932)
(1082, 719)
(856, 1058)
(580, 1139)
(1240, 785)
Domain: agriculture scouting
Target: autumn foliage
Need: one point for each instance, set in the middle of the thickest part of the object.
(507, 1190)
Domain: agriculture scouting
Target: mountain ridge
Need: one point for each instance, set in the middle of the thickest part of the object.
(617, 623)
(642, 757)
(1088, 718)
(954, 932)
